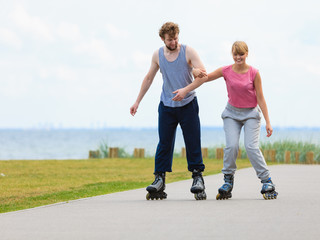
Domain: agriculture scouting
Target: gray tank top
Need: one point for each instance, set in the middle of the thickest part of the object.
(175, 75)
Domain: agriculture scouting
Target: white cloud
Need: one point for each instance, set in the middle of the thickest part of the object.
(116, 32)
(95, 48)
(65, 73)
(15, 85)
(10, 38)
(313, 69)
(43, 73)
(141, 59)
(304, 60)
(69, 31)
(31, 24)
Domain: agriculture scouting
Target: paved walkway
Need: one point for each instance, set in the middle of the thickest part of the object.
(127, 215)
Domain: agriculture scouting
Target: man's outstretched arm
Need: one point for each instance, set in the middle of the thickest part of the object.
(147, 81)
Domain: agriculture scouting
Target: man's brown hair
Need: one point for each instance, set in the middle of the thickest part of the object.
(169, 28)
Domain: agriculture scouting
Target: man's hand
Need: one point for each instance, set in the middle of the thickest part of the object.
(134, 108)
(180, 94)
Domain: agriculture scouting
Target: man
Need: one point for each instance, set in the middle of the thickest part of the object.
(176, 62)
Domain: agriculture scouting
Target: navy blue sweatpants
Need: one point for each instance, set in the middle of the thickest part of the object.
(188, 118)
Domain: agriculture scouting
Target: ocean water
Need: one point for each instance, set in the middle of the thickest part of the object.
(19, 144)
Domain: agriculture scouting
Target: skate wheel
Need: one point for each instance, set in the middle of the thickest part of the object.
(270, 196)
(218, 197)
(221, 196)
(162, 196)
(148, 196)
(200, 196)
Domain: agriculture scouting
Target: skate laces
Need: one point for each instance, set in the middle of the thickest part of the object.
(157, 179)
(196, 180)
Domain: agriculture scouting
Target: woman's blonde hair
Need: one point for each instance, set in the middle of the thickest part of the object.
(239, 47)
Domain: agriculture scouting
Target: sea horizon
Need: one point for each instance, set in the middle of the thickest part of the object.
(75, 143)
(145, 128)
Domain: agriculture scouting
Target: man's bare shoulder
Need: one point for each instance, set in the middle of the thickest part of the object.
(190, 51)
(155, 57)
(193, 58)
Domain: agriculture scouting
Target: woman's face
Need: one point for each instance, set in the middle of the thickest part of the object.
(239, 58)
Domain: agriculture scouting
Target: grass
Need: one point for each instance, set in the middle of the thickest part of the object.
(292, 146)
(31, 183)
(281, 147)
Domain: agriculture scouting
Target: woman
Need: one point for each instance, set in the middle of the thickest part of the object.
(245, 99)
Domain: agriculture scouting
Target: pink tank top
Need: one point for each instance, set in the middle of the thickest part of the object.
(240, 87)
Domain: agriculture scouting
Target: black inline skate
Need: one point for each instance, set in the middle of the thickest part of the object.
(156, 189)
(268, 190)
(198, 185)
(225, 190)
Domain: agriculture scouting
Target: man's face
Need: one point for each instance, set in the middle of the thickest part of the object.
(171, 42)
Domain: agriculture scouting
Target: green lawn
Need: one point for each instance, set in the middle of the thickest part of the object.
(32, 183)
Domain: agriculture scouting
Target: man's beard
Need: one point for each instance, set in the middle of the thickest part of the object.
(172, 49)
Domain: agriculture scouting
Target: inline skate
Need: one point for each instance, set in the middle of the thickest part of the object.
(198, 185)
(225, 190)
(156, 189)
(268, 190)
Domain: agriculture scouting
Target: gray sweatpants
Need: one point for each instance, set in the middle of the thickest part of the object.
(233, 120)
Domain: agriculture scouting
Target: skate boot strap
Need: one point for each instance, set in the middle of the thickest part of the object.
(228, 178)
(196, 173)
(227, 186)
(267, 180)
(267, 187)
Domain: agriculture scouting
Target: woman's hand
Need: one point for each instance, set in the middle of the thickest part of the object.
(200, 73)
(180, 94)
(269, 130)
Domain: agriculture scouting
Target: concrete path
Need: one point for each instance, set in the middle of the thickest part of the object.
(127, 215)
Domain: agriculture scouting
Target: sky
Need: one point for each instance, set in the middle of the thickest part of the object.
(80, 64)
